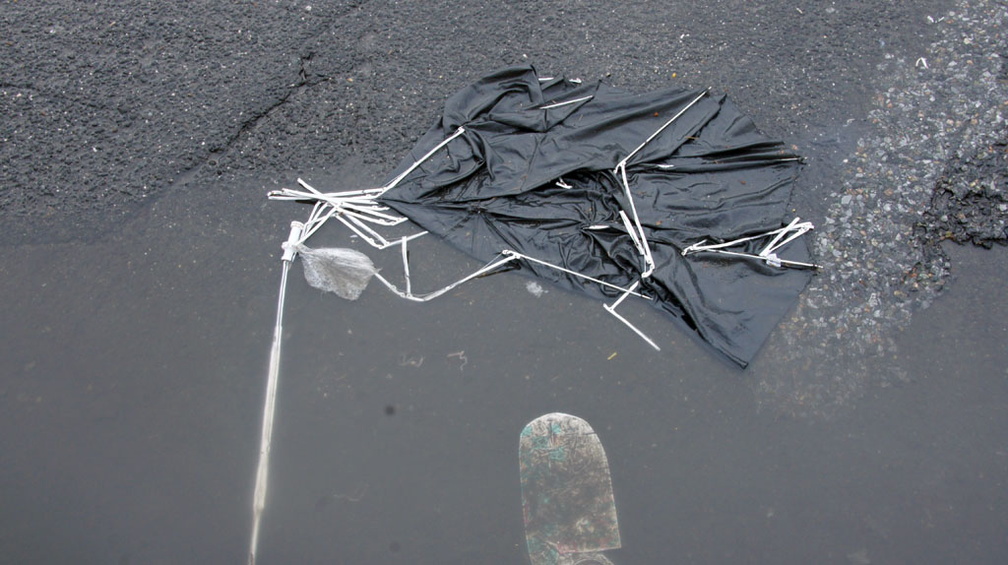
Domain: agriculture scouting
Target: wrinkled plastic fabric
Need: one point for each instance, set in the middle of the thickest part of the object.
(709, 175)
(344, 272)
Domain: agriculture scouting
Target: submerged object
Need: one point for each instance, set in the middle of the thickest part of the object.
(567, 496)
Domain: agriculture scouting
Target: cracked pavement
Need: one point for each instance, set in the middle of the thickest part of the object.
(111, 105)
(108, 107)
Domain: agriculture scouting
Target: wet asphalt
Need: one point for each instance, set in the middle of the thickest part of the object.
(139, 261)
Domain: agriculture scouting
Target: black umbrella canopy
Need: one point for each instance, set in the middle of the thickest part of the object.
(545, 166)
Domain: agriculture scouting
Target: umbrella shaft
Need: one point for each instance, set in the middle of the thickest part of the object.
(262, 469)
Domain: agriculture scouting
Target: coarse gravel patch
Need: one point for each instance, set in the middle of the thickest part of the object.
(931, 168)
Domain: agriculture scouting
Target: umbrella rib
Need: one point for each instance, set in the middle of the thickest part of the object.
(612, 310)
(419, 161)
(626, 159)
(642, 244)
(566, 102)
(408, 295)
(355, 208)
(513, 253)
(795, 229)
(770, 259)
(776, 243)
(405, 264)
(773, 242)
(620, 171)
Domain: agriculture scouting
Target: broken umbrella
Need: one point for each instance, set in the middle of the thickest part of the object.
(671, 196)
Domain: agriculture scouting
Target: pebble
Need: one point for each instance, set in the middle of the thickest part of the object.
(929, 124)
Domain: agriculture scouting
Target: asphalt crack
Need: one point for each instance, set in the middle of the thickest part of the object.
(306, 80)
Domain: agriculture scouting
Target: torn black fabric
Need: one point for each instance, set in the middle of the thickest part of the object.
(535, 171)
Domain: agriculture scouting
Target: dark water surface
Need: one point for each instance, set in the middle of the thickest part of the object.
(134, 373)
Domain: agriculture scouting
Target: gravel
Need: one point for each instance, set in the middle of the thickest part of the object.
(932, 168)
